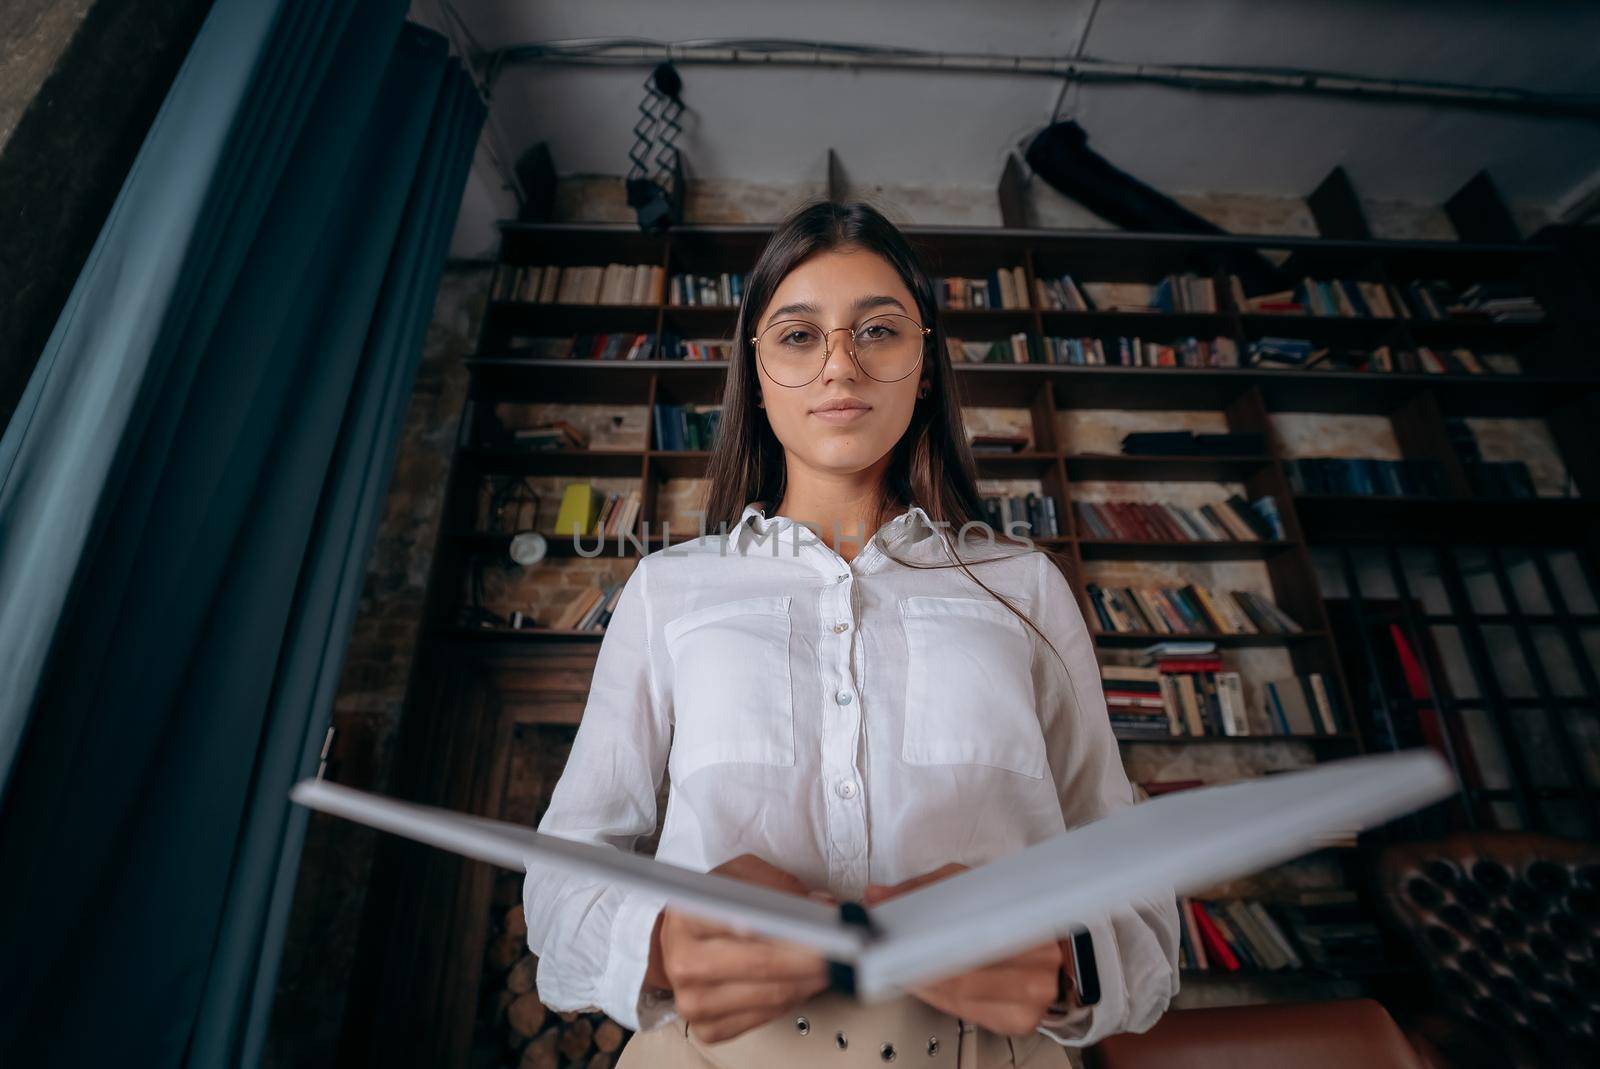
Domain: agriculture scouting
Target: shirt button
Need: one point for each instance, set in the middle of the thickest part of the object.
(843, 697)
(847, 788)
(840, 627)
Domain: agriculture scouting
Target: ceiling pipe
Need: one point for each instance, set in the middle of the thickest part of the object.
(758, 52)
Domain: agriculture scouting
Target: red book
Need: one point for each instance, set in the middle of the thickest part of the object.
(1132, 530)
(1192, 664)
(1163, 523)
(1217, 949)
(1137, 515)
(1427, 715)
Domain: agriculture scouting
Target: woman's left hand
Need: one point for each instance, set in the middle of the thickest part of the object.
(1010, 996)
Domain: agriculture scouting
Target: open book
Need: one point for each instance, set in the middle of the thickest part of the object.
(1174, 844)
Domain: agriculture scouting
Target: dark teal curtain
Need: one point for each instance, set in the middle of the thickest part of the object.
(189, 492)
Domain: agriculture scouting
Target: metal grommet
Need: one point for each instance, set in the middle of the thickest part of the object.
(886, 1052)
(838, 1037)
(803, 1025)
(933, 1045)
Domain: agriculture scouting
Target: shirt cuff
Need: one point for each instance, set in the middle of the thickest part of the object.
(630, 1004)
(1067, 1024)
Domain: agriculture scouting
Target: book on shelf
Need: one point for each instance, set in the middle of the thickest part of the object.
(1031, 513)
(550, 435)
(1180, 293)
(1002, 288)
(1365, 476)
(1059, 295)
(1341, 297)
(1177, 648)
(1332, 931)
(612, 346)
(1230, 520)
(1424, 300)
(1489, 478)
(686, 426)
(1137, 352)
(1422, 721)
(1302, 704)
(1197, 697)
(1492, 302)
(1187, 609)
(1274, 352)
(1283, 352)
(1400, 668)
(613, 283)
(1232, 935)
(1266, 507)
(590, 610)
(723, 289)
(999, 443)
(1017, 348)
(1170, 699)
(676, 348)
(587, 511)
(1502, 302)
(1189, 443)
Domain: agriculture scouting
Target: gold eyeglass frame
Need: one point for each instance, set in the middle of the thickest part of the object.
(827, 348)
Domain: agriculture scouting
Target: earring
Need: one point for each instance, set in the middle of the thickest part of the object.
(922, 391)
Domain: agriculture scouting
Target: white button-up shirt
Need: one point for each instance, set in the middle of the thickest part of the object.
(846, 721)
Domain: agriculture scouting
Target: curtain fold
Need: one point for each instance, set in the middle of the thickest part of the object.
(189, 492)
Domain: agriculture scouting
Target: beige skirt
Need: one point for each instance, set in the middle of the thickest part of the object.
(834, 1030)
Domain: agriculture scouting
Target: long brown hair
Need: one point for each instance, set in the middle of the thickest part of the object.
(932, 464)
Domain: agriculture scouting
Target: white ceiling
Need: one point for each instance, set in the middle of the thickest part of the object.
(775, 124)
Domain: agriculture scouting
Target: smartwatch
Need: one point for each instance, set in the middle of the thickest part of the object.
(1084, 973)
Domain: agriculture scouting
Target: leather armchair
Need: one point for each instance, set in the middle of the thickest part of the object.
(1508, 927)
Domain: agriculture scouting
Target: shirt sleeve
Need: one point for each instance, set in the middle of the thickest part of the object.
(593, 938)
(1136, 946)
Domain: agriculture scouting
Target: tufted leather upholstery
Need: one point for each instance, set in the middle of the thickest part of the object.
(1508, 925)
(1308, 1035)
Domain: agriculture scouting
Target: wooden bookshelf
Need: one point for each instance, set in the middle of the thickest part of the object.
(539, 677)
(1554, 384)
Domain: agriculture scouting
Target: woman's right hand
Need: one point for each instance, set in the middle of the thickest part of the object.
(726, 982)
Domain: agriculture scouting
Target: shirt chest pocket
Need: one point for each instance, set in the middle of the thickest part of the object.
(732, 695)
(969, 686)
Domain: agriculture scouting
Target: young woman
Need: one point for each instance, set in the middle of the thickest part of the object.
(853, 695)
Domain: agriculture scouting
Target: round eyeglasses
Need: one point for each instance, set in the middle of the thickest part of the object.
(886, 347)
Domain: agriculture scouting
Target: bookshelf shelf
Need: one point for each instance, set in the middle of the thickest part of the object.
(1020, 465)
(1341, 738)
(1285, 390)
(1111, 467)
(1092, 549)
(1070, 323)
(981, 315)
(598, 462)
(1145, 638)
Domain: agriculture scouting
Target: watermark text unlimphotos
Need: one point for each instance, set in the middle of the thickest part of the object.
(795, 537)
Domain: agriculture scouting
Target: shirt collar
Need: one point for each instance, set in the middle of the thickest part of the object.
(754, 522)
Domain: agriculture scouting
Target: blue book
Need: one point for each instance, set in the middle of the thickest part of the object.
(1275, 709)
